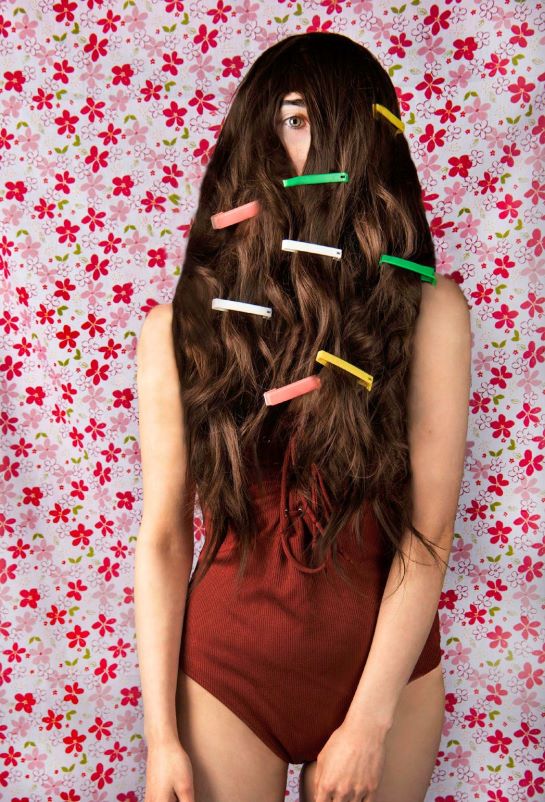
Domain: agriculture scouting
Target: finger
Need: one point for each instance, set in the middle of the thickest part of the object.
(323, 794)
(320, 795)
(185, 794)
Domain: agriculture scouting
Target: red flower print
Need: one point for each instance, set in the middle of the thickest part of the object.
(206, 39)
(465, 48)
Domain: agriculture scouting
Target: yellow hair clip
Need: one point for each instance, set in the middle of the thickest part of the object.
(389, 116)
(323, 357)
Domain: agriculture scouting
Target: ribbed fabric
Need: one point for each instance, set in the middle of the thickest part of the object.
(285, 649)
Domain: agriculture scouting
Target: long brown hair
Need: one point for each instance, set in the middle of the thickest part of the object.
(355, 308)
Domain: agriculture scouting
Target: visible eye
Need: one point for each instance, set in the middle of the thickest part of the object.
(295, 117)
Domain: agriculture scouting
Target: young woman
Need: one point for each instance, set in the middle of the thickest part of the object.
(299, 638)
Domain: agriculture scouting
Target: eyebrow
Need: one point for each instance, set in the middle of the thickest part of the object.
(295, 102)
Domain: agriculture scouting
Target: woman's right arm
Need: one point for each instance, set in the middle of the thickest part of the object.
(164, 549)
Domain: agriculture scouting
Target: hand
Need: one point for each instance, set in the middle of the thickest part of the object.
(169, 775)
(350, 764)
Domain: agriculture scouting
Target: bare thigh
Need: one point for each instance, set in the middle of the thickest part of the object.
(411, 744)
(229, 761)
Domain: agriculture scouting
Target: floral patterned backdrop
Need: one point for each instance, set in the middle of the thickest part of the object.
(109, 112)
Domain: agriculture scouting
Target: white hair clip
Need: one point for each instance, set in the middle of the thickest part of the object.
(224, 304)
(311, 247)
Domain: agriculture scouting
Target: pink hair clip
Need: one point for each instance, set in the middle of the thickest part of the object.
(279, 394)
(224, 219)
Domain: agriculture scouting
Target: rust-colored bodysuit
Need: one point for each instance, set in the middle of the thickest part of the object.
(285, 649)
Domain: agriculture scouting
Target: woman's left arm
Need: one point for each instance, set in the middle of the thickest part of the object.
(438, 403)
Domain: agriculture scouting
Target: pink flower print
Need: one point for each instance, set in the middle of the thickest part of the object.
(498, 637)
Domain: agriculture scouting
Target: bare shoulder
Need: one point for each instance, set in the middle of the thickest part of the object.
(442, 342)
(167, 507)
(443, 326)
(156, 371)
(445, 298)
(155, 351)
(156, 324)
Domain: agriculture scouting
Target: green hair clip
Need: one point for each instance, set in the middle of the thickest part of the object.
(314, 178)
(427, 272)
